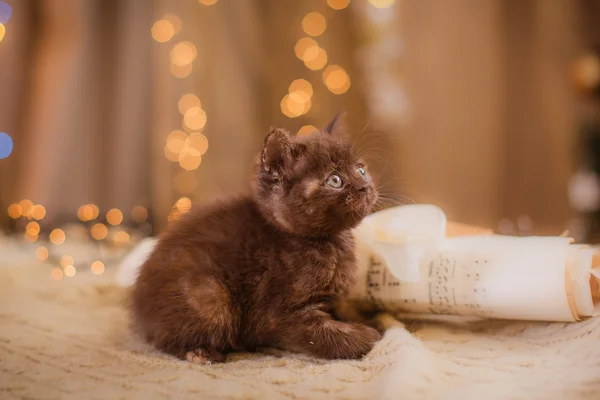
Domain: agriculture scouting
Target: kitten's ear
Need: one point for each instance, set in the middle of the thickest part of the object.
(277, 151)
(335, 126)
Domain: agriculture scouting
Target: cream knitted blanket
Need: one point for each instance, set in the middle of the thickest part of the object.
(69, 340)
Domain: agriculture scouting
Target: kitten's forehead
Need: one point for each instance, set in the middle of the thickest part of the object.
(326, 149)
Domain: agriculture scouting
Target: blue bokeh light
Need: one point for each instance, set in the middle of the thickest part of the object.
(6, 145)
(5, 12)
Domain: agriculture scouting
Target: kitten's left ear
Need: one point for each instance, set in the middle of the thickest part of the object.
(335, 126)
(277, 151)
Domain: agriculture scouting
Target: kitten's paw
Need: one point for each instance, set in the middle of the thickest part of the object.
(362, 341)
(203, 357)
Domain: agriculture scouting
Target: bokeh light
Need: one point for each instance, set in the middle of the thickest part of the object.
(208, 2)
(41, 253)
(175, 22)
(26, 206)
(2, 31)
(181, 72)
(15, 211)
(66, 260)
(307, 130)
(176, 141)
(57, 237)
(114, 216)
(189, 161)
(121, 238)
(301, 85)
(183, 205)
(69, 271)
(139, 214)
(162, 31)
(30, 238)
(194, 118)
(188, 101)
(196, 144)
(303, 45)
(382, 3)
(5, 12)
(38, 212)
(336, 79)
(6, 142)
(97, 267)
(32, 228)
(56, 274)
(86, 213)
(338, 4)
(315, 58)
(314, 24)
(99, 231)
(183, 53)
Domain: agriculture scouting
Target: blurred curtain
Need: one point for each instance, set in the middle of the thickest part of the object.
(466, 104)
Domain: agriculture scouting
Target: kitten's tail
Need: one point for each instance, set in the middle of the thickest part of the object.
(133, 261)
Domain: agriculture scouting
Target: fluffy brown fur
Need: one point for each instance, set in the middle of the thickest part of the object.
(264, 270)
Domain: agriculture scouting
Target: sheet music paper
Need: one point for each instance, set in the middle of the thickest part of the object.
(528, 278)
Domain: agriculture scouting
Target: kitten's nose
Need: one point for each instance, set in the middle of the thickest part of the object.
(363, 188)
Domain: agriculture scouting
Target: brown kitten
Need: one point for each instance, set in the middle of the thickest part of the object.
(264, 270)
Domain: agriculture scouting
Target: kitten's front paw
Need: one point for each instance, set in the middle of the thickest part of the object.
(203, 357)
(361, 341)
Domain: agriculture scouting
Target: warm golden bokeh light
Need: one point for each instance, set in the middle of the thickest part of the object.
(30, 238)
(183, 53)
(314, 24)
(14, 211)
(114, 216)
(316, 58)
(57, 237)
(307, 130)
(171, 156)
(26, 206)
(338, 4)
(99, 231)
(173, 215)
(162, 31)
(189, 161)
(32, 228)
(303, 45)
(97, 267)
(208, 2)
(95, 210)
(295, 104)
(183, 205)
(176, 141)
(194, 118)
(2, 31)
(175, 22)
(180, 72)
(188, 101)
(196, 144)
(66, 260)
(41, 253)
(185, 182)
(70, 271)
(139, 214)
(86, 213)
(382, 3)
(336, 79)
(121, 238)
(38, 211)
(301, 85)
(56, 274)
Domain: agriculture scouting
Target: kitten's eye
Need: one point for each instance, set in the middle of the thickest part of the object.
(334, 181)
(361, 170)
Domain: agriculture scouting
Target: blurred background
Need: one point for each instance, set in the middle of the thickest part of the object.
(117, 115)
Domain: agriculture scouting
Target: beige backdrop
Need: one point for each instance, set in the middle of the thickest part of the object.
(487, 130)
